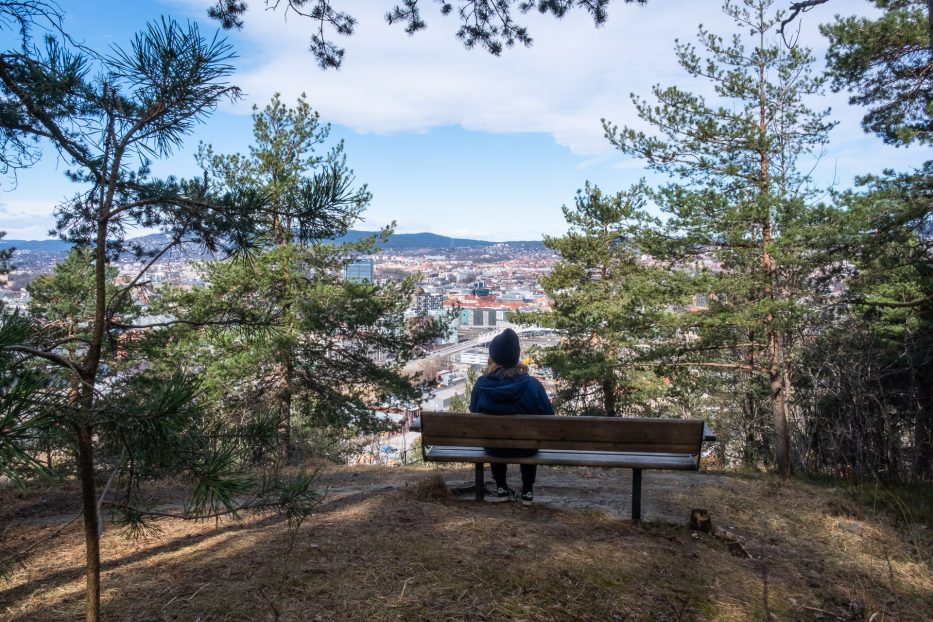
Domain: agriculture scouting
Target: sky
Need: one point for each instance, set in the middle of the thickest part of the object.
(448, 140)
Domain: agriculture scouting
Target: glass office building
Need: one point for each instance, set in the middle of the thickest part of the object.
(361, 270)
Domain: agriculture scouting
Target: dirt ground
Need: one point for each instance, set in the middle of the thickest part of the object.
(389, 544)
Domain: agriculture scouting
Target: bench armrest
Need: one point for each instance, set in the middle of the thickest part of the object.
(708, 434)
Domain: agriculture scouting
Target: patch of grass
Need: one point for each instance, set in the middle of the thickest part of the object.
(431, 488)
(907, 503)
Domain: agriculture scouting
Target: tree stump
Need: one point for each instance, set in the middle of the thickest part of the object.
(700, 521)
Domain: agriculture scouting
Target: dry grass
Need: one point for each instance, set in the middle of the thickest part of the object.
(393, 544)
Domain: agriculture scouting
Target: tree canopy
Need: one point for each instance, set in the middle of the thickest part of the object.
(887, 63)
(489, 24)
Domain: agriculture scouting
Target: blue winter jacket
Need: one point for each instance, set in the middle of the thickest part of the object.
(520, 395)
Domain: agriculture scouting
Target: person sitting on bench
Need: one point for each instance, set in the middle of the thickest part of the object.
(506, 388)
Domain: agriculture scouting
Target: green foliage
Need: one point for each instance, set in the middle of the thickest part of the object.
(281, 331)
(739, 219)
(887, 62)
(24, 403)
(606, 306)
(870, 371)
(5, 256)
(461, 403)
(108, 116)
(325, 329)
(309, 195)
(60, 302)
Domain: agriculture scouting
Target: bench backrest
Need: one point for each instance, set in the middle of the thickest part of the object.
(668, 436)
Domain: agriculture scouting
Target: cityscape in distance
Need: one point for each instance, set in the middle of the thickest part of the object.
(472, 283)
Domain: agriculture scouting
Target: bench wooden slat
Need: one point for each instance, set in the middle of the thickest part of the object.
(591, 445)
(682, 462)
(541, 431)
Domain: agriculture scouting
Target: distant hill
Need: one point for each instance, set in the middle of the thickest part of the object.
(42, 246)
(431, 240)
(396, 241)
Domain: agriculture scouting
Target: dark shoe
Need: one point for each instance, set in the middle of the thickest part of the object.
(502, 494)
(527, 497)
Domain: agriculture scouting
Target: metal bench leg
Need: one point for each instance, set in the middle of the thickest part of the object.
(636, 496)
(480, 486)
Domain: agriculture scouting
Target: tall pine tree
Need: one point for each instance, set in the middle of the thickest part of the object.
(738, 213)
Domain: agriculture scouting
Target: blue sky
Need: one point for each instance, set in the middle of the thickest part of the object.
(452, 141)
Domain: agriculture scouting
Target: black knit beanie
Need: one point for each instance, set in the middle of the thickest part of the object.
(504, 349)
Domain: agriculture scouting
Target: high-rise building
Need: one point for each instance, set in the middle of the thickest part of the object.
(425, 301)
(359, 271)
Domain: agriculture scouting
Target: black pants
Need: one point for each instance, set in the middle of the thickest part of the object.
(528, 474)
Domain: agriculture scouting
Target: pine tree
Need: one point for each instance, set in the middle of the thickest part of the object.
(887, 62)
(108, 117)
(738, 213)
(305, 352)
(289, 164)
(605, 306)
(310, 354)
(877, 418)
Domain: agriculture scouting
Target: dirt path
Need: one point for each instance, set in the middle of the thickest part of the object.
(667, 497)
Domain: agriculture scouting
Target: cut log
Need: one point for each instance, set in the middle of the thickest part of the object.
(700, 521)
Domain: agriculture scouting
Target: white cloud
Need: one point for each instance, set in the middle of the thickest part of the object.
(574, 74)
(26, 219)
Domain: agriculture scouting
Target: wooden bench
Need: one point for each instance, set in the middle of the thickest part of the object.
(635, 444)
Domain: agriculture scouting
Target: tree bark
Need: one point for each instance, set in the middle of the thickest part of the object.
(609, 396)
(85, 425)
(769, 269)
(923, 431)
(287, 397)
(779, 408)
(750, 409)
(89, 507)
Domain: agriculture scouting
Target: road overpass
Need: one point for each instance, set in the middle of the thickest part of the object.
(481, 340)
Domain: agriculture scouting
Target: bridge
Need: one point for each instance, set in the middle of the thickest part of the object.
(482, 340)
(476, 342)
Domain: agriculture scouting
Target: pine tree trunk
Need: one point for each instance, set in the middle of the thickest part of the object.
(779, 408)
(750, 410)
(923, 431)
(85, 426)
(749, 450)
(287, 408)
(769, 270)
(609, 397)
(89, 507)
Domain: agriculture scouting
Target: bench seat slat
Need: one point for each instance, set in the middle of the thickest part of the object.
(622, 434)
(683, 462)
(595, 445)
